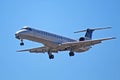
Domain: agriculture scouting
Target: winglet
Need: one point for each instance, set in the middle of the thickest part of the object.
(93, 29)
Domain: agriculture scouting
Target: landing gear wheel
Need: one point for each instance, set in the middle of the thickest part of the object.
(51, 56)
(21, 43)
(71, 54)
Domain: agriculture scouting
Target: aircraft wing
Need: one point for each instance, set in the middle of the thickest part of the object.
(84, 43)
(39, 50)
(36, 50)
(63, 46)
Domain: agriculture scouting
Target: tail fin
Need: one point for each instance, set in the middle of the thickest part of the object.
(90, 31)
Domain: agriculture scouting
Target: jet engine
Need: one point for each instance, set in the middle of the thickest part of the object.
(82, 39)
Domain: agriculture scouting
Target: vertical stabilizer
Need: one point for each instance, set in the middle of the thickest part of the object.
(89, 33)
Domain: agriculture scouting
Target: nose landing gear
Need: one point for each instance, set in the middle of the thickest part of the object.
(21, 44)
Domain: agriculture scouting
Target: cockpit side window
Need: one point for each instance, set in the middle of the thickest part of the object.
(27, 28)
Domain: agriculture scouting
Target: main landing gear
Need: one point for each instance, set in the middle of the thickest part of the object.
(71, 53)
(21, 43)
(51, 56)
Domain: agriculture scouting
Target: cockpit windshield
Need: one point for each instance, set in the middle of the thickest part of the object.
(27, 28)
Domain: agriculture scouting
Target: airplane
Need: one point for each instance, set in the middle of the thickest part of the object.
(54, 43)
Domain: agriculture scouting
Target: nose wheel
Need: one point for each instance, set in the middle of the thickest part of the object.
(21, 44)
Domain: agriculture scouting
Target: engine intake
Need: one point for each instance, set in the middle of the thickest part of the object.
(82, 39)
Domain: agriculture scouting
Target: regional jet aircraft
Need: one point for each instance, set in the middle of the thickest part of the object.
(54, 43)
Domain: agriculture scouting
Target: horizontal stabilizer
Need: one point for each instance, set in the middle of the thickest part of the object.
(93, 29)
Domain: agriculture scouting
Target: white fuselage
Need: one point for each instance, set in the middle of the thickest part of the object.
(41, 36)
(54, 43)
(46, 38)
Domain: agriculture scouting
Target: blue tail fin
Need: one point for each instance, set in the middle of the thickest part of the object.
(89, 33)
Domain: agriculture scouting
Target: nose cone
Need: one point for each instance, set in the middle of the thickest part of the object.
(20, 33)
(17, 36)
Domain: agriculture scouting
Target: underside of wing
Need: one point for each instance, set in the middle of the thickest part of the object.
(35, 50)
(40, 50)
(85, 43)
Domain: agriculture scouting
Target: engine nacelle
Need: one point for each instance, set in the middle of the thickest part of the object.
(82, 39)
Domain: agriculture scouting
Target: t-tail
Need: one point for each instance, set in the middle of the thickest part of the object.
(89, 32)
